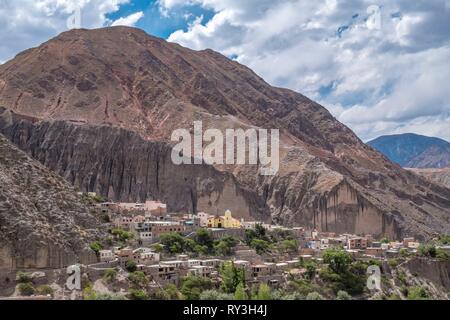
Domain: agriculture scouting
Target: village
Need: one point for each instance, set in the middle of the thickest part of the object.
(155, 254)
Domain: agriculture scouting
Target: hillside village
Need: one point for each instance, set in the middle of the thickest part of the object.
(152, 253)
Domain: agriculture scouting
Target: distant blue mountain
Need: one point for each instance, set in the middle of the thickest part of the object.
(414, 151)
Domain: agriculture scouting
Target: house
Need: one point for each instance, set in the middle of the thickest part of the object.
(203, 219)
(261, 270)
(224, 222)
(407, 241)
(145, 256)
(413, 245)
(357, 243)
(214, 263)
(375, 252)
(106, 255)
(324, 243)
(200, 271)
(145, 237)
(125, 255)
(162, 227)
(175, 263)
(155, 208)
(194, 263)
(396, 245)
(123, 222)
(160, 272)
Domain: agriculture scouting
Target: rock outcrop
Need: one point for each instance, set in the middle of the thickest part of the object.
(99, 107)
(43, 222)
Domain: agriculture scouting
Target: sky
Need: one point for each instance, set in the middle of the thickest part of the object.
(379, 66)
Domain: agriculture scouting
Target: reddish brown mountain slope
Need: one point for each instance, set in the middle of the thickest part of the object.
(121, 77)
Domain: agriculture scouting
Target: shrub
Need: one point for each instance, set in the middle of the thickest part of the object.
(393, 263)
(427, 250)
(314, 296)
(26, 289)
(23, 277)
(96, 247)
(417, 293)
(135, 294)
(170, 292)
(215, 295)
(45, 290)
(138, 279)
(193, 286)
(343, 295)
(110, 275)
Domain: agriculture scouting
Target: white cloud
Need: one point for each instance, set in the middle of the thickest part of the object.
(27, 23)
(376, 80)
(130, 20)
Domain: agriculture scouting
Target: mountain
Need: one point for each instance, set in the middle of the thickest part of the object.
(99, 107)
(43, 223)
(440, 176)
(414, 151)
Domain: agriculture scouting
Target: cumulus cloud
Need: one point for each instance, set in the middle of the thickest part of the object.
(27, 23)
(130, 20)
(380, 66)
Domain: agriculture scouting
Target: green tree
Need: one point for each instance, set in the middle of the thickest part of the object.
(240, 293)
(204, 238)
(261, 246)
(96, 247)
(122, 235)
(289, 246)
(135, 294)
(338, 260)
(224, 246)
(231, 276)
(263, 292)
(138, 279)
(173, 243)
(193, 286)
(131, 266)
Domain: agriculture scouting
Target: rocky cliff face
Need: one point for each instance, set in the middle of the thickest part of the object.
(43, 223)
(439, 176)
(99, 107)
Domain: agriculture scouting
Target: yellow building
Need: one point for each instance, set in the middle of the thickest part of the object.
(224, 222)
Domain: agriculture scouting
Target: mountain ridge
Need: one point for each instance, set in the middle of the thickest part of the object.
(414, 151)
(99, 80)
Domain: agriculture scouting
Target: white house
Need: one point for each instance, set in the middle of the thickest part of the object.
(106, 255)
